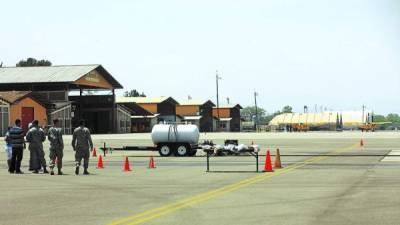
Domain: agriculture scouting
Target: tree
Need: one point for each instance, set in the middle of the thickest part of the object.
(269, 117)
(379, 118)
(393, 117)
(1, 64)
(249, 113)
(33, 62)
(287, 109)
(133, 93)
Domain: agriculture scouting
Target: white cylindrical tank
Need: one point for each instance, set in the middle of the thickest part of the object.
(168, 133)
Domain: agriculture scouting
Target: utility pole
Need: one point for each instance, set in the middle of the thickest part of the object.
(363, 113)
(255, 104)
(217, 78)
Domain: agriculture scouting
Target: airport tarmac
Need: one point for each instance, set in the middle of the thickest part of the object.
(332, 181)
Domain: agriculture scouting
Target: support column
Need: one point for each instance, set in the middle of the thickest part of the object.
(80, 105)
(113, 114)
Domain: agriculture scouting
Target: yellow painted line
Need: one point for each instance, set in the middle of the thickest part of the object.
(172, 207)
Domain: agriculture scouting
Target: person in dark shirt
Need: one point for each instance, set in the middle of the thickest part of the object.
(18, 144)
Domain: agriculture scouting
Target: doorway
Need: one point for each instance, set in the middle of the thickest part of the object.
(27, 116)
(98, 121)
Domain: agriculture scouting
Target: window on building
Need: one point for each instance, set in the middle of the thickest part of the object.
(4, 119)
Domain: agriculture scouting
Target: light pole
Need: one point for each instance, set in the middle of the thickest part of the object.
(255, 104)
(217, 78)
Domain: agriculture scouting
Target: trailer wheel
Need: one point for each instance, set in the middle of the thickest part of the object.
(182, 150)
(164, 150)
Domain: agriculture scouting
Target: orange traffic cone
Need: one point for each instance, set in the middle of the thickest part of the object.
(152, 165)
(362, 142)
(127, 168)
(278, 159)
(94, 153)
(268, 164)
(100, 163)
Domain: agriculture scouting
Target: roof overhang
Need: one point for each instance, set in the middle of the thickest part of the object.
(145, 117)
(192, 117)
(225, 119)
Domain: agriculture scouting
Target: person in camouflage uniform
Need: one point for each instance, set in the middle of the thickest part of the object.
(36, 137)
(56, 147)
(82, 145)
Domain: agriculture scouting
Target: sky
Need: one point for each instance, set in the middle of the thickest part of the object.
(334, 55)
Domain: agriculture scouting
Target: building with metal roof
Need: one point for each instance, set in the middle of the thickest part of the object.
(75, 76)
(197, 112)
(20, 105)
(163, 107)
(52, 85)
(228, 117)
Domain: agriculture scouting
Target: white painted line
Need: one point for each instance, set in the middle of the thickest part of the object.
(393, 156)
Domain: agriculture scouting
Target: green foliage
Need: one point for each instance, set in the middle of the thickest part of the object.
(287, 109)
(133, 93)
(393, 117)
(379, 118)
(268, 118)
(249, 113)
(33, 62)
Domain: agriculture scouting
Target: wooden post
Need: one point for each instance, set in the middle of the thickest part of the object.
(114, 117)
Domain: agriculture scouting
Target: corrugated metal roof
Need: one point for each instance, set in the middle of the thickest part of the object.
(195, 102)
(229, 106)
(349, 118)
(52, 74)
(142, 100)
(42, 74)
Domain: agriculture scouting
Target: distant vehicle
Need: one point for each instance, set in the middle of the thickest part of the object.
(300, 127)
(371, 126)
(248, 126)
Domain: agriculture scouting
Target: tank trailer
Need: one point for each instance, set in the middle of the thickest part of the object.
(183, 140)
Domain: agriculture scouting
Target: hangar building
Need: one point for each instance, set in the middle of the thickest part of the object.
(322, 121)
(29, 91)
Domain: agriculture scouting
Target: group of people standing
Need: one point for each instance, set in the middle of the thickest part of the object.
(16, 143)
